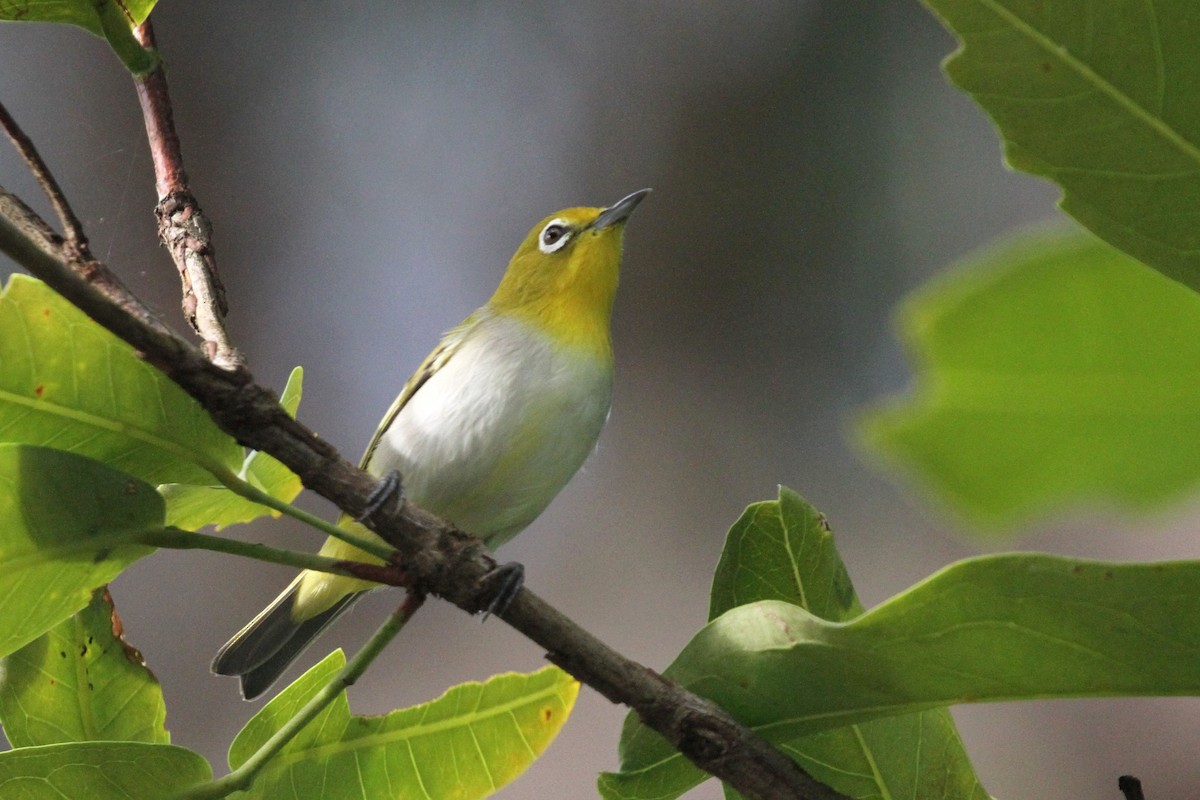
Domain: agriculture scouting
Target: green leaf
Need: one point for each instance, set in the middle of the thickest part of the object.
(1049, 371)
(265, 471)
(84, 13)
(912, 755)
(81, 682)
(67, 525)
(1005, 627)
(66, 382)
(112, 19)
(99, 771)
(784, 550)
(466, 744)
(1100, 98)
(191, 506)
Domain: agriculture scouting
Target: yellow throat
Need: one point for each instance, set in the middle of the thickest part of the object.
(563, 278)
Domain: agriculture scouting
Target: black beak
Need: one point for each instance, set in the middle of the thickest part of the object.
(619, 211)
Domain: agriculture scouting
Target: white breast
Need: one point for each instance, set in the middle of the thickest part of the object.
(493, 435)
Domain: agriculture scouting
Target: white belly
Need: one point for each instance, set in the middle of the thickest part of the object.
(493, 435)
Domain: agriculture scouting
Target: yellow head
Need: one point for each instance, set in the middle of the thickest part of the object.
(563, 277)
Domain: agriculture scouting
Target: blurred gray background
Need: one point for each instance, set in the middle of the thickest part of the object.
(370, 171)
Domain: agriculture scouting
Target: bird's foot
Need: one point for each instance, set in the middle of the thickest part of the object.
(507, 580)
(389, 486)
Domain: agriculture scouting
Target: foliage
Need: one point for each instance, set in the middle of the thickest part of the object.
(112, 19)
(67, 382)
(1101, 99)
(783, 552)
(86, 14)
(55, 546)
(99, 771)
(194, 505)
(1052, 371)
(81, 682)
(459, 745)
(1004, 627)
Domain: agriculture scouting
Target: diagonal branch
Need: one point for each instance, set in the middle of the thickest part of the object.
(436, 558)
(439, 559)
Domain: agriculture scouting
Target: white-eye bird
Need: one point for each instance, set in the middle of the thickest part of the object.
(490, 427)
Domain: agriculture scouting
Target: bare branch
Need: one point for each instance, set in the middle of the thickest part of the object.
(182, 226)
(75, 248)
(72, 228)
(1131, 787)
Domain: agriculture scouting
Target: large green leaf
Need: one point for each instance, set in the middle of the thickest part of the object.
(1006, 627)
(81, 682)
(67, 525)
(99, 771)
(192, 506)
(67, 383)
(466, 744)
(1049, 371)
(784, 551)
(84, 13)
(1101, 98)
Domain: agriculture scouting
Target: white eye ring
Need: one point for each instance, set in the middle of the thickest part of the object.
(554, 236)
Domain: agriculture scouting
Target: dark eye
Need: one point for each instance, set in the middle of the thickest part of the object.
(554, 236)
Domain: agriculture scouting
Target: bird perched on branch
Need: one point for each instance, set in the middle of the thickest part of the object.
(488, 429)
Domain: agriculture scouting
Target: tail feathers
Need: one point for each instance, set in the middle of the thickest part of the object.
(260, 652)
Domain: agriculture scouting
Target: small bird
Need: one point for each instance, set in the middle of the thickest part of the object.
(489, 428)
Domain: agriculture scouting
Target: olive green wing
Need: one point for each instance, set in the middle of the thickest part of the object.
(433, 362)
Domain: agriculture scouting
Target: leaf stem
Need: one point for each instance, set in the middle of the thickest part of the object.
(180, 539)
(118, 30)
(244, 488)
(72, 227)
(241, 778)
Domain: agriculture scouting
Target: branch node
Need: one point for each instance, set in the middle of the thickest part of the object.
(182, 226)
(702, 741)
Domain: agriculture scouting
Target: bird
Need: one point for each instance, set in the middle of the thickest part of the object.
(487, 431)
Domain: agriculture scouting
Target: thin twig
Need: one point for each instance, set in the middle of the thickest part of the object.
(249, 491)
(1131, 787)
(78, 253)
(179, 539)
(183, 227)
(169, 175)
(244, 775)
(72, 227)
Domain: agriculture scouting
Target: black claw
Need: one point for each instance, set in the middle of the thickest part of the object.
(388, 486)
(508, 580)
